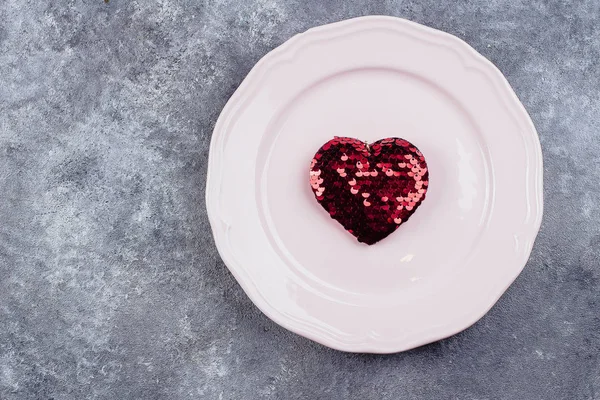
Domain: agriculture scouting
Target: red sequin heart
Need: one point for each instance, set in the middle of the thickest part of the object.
(369, 189)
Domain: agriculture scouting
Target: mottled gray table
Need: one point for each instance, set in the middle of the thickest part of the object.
(110, 284)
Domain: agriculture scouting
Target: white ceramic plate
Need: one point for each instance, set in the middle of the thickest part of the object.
(371, 78)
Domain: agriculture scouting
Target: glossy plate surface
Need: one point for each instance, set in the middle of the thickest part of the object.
(371, 78)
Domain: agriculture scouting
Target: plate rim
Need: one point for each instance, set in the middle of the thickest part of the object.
(287, 50)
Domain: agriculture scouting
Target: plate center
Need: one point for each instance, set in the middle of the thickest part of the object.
(370, 104)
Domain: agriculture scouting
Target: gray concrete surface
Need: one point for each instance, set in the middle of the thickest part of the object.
(110, 284)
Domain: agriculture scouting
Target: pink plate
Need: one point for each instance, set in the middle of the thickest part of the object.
(371, 78)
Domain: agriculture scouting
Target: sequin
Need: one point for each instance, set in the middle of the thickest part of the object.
(377, 199)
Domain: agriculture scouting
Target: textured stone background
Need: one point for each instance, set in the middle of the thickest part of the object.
(110, 284)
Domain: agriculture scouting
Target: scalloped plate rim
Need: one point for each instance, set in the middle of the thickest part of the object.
(285, 53)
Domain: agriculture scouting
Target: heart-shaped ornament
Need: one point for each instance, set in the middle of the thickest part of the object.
(371, 189)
